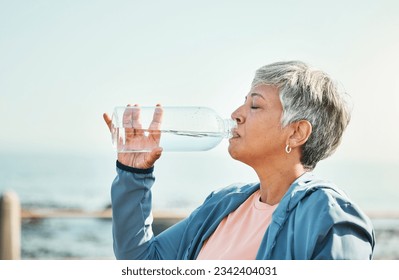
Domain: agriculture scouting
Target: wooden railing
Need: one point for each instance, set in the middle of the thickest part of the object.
(10, 226)
(11, 216)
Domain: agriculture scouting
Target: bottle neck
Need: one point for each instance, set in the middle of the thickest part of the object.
(228, 126)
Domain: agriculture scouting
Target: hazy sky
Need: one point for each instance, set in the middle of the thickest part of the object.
(64, 63)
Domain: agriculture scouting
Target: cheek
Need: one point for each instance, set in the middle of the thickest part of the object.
(258, 133)
(265, 137)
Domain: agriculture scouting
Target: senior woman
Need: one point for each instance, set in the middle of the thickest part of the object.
(293, 117)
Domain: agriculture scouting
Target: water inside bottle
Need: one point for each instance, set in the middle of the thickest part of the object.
(170, 140)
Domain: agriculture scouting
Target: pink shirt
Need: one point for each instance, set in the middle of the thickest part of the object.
(239, 235)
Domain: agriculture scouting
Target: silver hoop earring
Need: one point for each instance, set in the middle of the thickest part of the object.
(288, 149)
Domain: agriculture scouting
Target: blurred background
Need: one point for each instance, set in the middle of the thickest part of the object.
(64, 63)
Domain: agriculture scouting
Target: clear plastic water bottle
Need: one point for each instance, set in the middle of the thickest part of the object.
(180, 129)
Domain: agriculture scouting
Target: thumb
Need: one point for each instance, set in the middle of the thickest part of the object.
(154, 155)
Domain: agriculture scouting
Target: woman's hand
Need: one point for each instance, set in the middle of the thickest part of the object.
(137, 138)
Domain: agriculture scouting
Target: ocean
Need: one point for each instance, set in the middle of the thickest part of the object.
(183, 180)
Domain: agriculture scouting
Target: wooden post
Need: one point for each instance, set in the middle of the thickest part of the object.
(10, 226)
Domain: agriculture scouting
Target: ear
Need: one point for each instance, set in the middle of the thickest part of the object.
(301, 131)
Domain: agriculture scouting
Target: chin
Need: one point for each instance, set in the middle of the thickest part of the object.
(233, 153)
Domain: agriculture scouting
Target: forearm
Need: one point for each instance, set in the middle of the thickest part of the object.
(131, 212)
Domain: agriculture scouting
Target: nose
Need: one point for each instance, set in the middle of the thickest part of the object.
(238, 116)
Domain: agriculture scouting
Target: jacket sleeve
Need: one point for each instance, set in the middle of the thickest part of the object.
(132, 218)
(344, 241)
(338, 230)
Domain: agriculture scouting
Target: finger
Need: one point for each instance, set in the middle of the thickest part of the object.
(136, 120)
(108, 121)
(155, 126)
(127, 122)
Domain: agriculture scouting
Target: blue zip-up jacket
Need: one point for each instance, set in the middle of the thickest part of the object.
(314, 220)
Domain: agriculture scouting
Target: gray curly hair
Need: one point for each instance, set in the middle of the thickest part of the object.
(309, 94)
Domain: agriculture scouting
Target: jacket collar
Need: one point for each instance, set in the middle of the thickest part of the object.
(301, 187)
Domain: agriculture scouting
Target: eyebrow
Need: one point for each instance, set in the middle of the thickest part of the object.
(255, 94)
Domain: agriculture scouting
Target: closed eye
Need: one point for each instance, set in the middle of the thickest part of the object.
(253, 100)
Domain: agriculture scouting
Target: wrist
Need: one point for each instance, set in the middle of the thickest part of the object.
(134, 169)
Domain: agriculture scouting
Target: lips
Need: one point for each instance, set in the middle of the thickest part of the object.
(235, 134)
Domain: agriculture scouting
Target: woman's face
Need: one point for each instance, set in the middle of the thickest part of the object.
(259, 138)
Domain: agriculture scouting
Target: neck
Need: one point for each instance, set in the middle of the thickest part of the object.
(276, 180)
